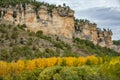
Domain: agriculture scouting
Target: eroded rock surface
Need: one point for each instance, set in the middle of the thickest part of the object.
(56, 21)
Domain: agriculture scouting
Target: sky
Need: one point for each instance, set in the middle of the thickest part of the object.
(106, 13)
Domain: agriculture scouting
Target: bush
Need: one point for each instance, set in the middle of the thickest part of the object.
(69, 73)
(90, 48)
(116, 42)
(22, 27)
(39, 33)
(62, 73)
(58, 45)
(4, 55)
(14, 35)
(111, 69)
(14, 14)
(48, 73)
(27, 75)
(2, 29)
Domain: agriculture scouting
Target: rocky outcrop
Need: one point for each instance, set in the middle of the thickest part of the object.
(116, 48)
(86, 30)
(105, 38)
(56, 21)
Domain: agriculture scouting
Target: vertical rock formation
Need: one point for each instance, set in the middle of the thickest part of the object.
(56, 21)
(86, 31)
(104, 38)
(89, 31)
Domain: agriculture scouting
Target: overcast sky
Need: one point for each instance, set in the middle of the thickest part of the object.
(106, 13)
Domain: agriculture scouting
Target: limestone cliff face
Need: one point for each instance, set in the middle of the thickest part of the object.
(89, 31)
(116, 48)
(105, 38)
(56, 21)
(86, 31)
(60, 21)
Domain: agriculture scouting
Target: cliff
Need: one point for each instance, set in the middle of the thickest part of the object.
(86, 30)
(56, 21)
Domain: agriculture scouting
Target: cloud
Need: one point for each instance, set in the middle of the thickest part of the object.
(104, 17)
(83, 4)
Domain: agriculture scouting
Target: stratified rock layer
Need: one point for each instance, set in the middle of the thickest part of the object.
(85, 30)
(56, 21)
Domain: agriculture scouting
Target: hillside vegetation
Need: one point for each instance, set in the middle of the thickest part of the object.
(116, 42)
(17, 43)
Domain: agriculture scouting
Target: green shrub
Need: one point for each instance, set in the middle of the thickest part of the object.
(39, 33)
(69, 74)
(48, 73)
(22, 27)
(31, 33)
(115, 71)
(27, 75)
(57, 77)
(14, 35)
(58, 45)
(65, 73)
(4, 55)
(30, 41)
(2, 29)
(14, 14)
(116, 42)
(90, 48)
(112, 71)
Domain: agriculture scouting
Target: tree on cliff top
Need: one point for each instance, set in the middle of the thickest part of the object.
(13, 2)
(116, 42)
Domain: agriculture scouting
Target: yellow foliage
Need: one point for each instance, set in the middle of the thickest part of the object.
(115, 61)
(30, 65)
(81, 61)
(40, 62)
(70, 61)
(100, 60)
(3, 68)
(93, 60)
(59, 61)
(20, 65)
(51, 61)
